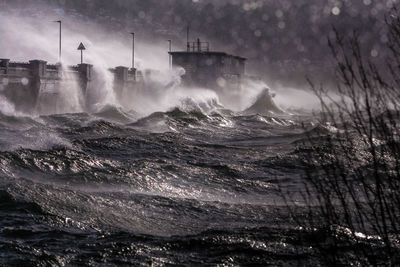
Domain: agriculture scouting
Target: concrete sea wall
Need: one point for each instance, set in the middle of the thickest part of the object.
(36, 86)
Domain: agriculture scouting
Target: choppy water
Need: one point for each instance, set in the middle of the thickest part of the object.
(180, 187)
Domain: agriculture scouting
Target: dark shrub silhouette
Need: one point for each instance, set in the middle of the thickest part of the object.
(351, 194)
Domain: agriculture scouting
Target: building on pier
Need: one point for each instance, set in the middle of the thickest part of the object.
(206, 68)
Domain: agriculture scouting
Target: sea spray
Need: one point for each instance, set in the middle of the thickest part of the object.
(265, 105)
(6, 107)
(71, 98)
(100, 92)
(161, 89)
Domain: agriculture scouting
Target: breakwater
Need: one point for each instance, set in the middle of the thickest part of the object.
(37, 86)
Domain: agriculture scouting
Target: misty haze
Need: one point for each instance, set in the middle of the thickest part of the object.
(199, 132)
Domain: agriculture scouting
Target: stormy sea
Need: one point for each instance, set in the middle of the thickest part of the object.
(199, 133)
(198, 184)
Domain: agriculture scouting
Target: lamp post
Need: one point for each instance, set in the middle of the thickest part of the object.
(170, 50)
(133, 50)
(187, 37)
(59, 41)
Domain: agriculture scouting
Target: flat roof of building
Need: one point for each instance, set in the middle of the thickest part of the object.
(205, 53)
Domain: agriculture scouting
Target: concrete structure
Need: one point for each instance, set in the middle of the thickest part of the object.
(207, 68)
(125, 80)
(21, 82)
(34, 86)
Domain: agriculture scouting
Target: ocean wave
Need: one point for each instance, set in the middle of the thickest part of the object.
(322, 129)
(8, 202)
(116, 114)
(264, 105)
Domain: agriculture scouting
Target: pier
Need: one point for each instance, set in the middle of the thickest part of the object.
(34, 85)
(42, 88)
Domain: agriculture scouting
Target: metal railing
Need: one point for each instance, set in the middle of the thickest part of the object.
(198, 46)
(52, 66)
(13, 64)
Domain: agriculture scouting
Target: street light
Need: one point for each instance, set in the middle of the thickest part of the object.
(170, 50)
(133, 50)
(59, 41)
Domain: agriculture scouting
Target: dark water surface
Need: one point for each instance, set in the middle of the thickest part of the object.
(179, 187)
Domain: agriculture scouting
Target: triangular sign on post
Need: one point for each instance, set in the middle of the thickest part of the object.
(81, 47)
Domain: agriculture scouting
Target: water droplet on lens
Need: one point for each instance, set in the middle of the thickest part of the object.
(24, 81)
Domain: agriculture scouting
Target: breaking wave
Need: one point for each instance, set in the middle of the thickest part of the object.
(265, 105)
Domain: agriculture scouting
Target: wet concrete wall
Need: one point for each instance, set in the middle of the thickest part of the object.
(36, 86)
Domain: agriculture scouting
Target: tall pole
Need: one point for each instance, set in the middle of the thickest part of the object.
(133, 50)
(187, 38)
(59, 45)
(59, 41)
(81, 56)
(170, 50)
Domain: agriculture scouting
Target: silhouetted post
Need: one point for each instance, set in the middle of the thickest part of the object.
(187, 38)
(59, 42)
(133, 50)
(81, 47)
(170, 50)
(198, 45)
